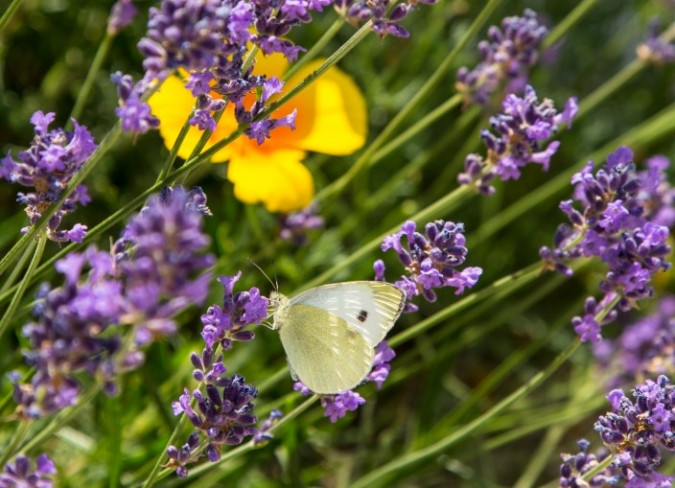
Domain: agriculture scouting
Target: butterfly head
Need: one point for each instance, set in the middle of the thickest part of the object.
(278, 303)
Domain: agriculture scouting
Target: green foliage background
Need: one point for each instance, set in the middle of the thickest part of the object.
(443, 378)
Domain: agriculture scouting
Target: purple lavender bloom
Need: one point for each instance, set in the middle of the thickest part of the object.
(386, 16)
(645, 348)
(575, 466)
(227, 324)
(507, 56)
(655, 49)
(134, 113)
(161, 260)
(224, 414)
(296, 225)
(431, 260)
(121, 15)
(520, 132)
(337, 406)
(48, 165)
(155, 272)
(614, 225)
(68, 334)
(19, 474)
(263, 434)
(635, 429)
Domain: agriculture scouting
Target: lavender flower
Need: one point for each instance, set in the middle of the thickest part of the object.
(430, 260)
(294, 226)
(121, 15)
(337, 406)
(225, 325)
(521, 129)
(635, 429)
(161, 260)
(575, 466)
(134, 113)
(645, 348)
(154, 274)
(263, 435)
(655, 49)
(48, 165)
(384, 14)
(614, 225)
(507, 56)
(19, 474)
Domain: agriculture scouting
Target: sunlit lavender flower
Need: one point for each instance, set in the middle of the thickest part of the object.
(224, 415)
(655, 49)
(121, 15)
(294, 226)
(645, 348)
(47, 166)
(575, 466)
(520, 132)
(337, 406)
(431, 260)
(386, 16)
(635, 429)
(507, 56)
(613, 225)
(161, 259)
(225, 325)
(156, 270)
(19, 474)
(134, 113)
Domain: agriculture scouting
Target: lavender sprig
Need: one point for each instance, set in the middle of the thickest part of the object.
(520, 132)
(19, 474)
(296, 225)
(615, 224)
(47, 166)
(431, 260)
(654, 49)
(507, 56)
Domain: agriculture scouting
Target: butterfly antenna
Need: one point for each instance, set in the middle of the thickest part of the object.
(276, 287)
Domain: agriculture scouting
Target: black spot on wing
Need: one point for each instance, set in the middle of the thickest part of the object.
(363, 315)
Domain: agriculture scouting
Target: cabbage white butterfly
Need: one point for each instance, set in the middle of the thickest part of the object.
(329, 332)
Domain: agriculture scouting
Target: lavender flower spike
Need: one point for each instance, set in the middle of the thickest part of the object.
(520, 133)
(616, 224)
(19, 474)
(507, 56)
(431, 260)
(47, 166)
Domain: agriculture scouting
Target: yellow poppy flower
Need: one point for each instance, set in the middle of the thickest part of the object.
(331, 119)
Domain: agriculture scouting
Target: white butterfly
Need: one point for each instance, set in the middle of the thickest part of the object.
(329, 332)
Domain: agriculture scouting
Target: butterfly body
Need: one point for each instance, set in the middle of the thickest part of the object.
(329, 332)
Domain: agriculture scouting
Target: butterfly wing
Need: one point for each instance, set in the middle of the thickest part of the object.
(371, 307)
(326, 353)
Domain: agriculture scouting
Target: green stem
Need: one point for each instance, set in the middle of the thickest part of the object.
(427, 89)
(567, 23)
(7, 15)
(315, 49)
(23, 285)
(85, 89)
(173, 153)
(383, 474)
(416, 128)
(17, 438)
(16, 271)
(38, 226)
(150, 480)
(507, 284)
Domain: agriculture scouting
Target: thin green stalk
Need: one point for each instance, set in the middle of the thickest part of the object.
(380, 476)
(567, 23)
(656, 127)
(416, 128)
(23, 285)
(16, 439)
(20, 246)
(150, 480)
(85, 89)
(506, 285)
(7, 15)
(427, 89)
(16, 270)
(173, 153)
(316, 48)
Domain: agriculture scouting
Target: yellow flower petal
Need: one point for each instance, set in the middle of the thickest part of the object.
(332, 115)
(277, 179)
